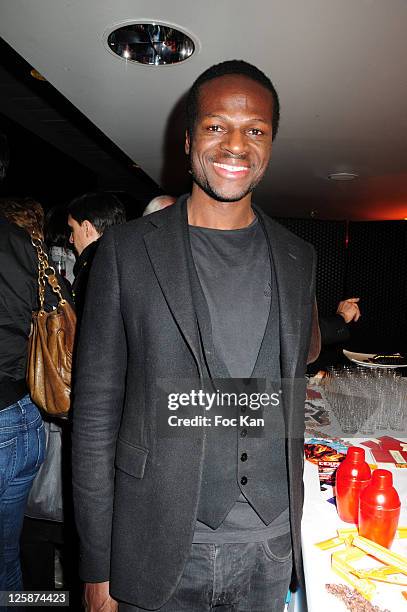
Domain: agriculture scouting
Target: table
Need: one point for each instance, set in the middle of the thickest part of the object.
(320, 520)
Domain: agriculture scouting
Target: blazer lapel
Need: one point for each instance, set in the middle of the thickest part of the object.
(289, 280)
(166, 245)
(289, 275)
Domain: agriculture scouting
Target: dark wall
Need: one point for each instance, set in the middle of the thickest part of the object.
(377, 257)
(329, 241)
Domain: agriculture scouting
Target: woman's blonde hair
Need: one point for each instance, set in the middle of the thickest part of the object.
(24, 212)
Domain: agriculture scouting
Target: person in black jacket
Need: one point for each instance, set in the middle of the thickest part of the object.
(203, 291)
(22, 440)
(334, 328)
(335, 331)
(47, 544)
(88, 217)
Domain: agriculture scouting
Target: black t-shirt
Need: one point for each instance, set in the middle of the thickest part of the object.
(233, 267)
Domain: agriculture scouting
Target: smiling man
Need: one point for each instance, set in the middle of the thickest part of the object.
(211, 294)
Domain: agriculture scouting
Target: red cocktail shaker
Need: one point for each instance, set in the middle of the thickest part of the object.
(379, 509)
(351, 477)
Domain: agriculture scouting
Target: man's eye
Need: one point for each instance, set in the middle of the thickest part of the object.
(214, 128)
(255, 132)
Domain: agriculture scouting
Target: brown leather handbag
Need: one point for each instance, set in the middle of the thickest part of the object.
(50, 345)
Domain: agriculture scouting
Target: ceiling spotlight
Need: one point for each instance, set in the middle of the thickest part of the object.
(342, 176)
(153, 44)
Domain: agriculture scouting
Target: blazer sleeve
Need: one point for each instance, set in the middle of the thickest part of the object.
(98, 394)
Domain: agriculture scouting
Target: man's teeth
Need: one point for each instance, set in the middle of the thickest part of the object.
(230, 168)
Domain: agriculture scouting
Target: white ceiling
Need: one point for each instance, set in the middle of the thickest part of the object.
(340, 67)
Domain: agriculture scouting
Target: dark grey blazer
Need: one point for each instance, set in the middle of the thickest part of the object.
(136, 492)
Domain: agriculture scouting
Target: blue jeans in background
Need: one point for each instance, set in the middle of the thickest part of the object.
(22, 450)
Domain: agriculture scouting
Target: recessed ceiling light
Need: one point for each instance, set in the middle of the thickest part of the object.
(342, 176)
(153, 44)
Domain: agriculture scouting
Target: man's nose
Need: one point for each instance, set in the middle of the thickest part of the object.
(235, 142)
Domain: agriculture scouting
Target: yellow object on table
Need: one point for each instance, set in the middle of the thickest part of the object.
(357, 547)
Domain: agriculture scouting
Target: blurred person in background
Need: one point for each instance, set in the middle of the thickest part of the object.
(158, 203)
(57, 241)
(335, 332)
(48, 543)
(334, 328)
(22, 440)
(88, 217)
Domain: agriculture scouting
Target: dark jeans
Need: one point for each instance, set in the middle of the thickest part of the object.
(22, 448)
(232, 577)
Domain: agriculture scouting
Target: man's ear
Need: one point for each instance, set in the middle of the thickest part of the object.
(90, 229)
(187, 142)
(86, 226)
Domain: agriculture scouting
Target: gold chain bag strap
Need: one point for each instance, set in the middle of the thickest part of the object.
(50, 344)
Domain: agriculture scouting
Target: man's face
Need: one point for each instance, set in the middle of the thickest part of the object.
(232, 137)
(79, 234)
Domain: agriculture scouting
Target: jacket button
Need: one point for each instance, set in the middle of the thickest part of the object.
(243, 433)
(243, 480)
(243, 457)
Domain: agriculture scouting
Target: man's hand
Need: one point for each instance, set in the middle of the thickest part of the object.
(349, 310)
(97, 598)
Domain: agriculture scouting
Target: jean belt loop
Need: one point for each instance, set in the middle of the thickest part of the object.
(23, 411)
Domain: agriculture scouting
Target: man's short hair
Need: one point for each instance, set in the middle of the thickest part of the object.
(238, 67)
(101, 209)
